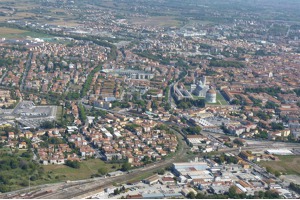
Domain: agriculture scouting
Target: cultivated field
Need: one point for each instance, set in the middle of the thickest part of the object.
(163, 21)
(9, 31)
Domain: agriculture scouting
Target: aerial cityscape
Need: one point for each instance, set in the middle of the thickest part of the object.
(149, 99)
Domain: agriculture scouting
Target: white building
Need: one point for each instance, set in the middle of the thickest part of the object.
(200, 88)
(211, 96)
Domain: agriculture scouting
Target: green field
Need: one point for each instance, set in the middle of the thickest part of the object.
(87, 168)
(221, 99)
(59, 113)
(10, 33)
(25, 172)
(5, 150)
(286, 164)
(142, 176)
(20, 151)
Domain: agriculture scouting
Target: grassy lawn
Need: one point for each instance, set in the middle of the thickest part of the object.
(21, 151)
(188, 87)
(87, 168)
(221, 99)
(5, 150)
(59, 113)
(142, 176)
(286, 164)
(196, 97)
(56, 173)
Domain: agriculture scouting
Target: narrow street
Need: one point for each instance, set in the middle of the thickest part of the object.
(27, 68)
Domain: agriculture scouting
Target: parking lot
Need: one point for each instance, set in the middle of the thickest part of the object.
(30, 115)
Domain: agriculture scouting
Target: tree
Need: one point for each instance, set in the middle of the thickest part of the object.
(110, 129)
(102, 170)
(194, 130)
(74, 164)
(223, 63)
(146, 159)
(161, 171)
(4, 188)
(269, 194)
(87, 84)
(126, 167)
(232, 192)
(295, 187)
(200, 196)
(47, 125)
(54, 140)
(34, 178)
(73, 96)
(167, 106)
(122, 189)
(271, 105)
(277, 173)
(131, 127)
(82, 114)
(235, 102)
(191, 195)
(261, 194)
(263, 134)
(297, 91)
(23, 165)
(14, 164)
(269, 169)
(116, 191)
(238, 142)
(277, 126)
(154, 105)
